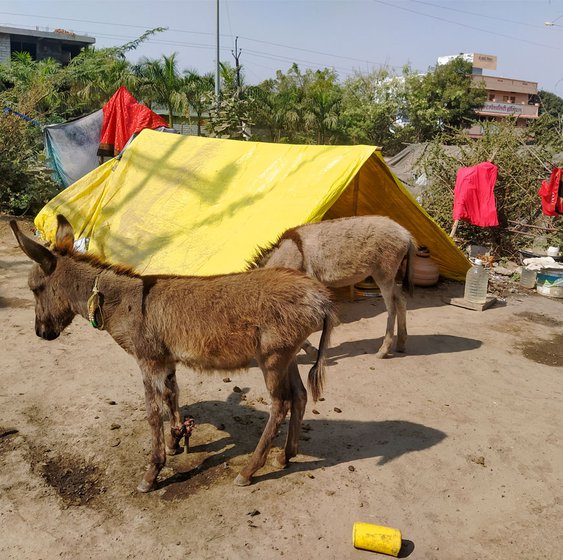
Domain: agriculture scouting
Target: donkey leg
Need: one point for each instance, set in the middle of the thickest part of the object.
(170, 396)
(309, 349)
(153, 379)
(298, 405)
(401, 305)
(277, 382)
(387, 289)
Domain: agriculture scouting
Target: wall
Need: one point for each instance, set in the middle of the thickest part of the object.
(4, 47)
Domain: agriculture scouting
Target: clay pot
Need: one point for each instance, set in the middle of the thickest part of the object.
(425, 270)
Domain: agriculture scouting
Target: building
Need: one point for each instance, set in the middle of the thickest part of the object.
(506, 97)
(59, 44)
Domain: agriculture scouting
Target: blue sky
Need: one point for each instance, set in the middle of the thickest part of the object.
(345, 35)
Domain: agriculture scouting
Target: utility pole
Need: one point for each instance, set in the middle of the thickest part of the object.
(217, 72)
(236, 55)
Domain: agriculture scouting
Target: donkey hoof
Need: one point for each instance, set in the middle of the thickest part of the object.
(311, 352)
(280, 462)
(174, 450)
(242, 481)
(380, 355)
(145, 486)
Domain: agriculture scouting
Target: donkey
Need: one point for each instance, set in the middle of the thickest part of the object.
(207, 323)
(345, 251)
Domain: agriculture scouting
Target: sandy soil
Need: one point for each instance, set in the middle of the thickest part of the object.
(457, 443)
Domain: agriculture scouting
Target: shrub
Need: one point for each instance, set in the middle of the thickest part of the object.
(25, 182)
(521, 169)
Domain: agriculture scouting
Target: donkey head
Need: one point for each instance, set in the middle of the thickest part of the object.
(53, 312)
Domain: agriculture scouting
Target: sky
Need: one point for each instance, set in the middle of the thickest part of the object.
(346, 35)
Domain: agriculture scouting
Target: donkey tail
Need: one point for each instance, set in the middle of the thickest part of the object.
(408, 284)
(316, 374)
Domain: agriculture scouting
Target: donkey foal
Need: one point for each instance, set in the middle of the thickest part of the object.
(206, 323)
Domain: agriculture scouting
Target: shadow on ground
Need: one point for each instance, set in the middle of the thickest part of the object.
(329, 441)
(417, 345)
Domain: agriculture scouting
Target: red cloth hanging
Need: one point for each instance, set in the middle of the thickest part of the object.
(551, 194)
(474, 199)
(123, 117)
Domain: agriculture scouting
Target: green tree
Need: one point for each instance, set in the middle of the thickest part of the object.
(299, 107)
(321, 103)
(159, 83)
(40, 86)
(196, 91)
(279, 106)
(444, 99)
(550, 103)
(230, 115)
(25, 181)
(548, 128)
(96, 74)
(371, 105)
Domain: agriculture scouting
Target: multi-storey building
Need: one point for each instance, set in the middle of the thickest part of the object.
(506, 97)
(60, 44)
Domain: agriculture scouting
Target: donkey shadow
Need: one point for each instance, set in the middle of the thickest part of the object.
(330, 441)
(417, 345)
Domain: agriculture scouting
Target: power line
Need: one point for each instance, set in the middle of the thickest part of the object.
(489, 17)
(468, 26)
(290, 47)
(289, 60)
(363, 61)
(145, 27)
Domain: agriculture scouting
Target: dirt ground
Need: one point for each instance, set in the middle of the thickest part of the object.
(457, 443)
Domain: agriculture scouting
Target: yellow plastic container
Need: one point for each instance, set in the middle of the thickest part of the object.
(377, 538)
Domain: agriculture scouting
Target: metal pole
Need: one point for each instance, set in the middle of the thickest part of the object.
(217, 74)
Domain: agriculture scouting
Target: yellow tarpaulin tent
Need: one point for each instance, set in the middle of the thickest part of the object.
(189, 205)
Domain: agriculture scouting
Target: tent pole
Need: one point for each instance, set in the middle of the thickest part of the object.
(355, 195)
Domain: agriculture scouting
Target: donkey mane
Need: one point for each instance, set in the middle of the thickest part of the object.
(97, 262)
(262, 252)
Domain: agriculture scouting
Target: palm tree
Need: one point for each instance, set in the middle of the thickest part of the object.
(322, 101)
(160, 83)
(196, 91)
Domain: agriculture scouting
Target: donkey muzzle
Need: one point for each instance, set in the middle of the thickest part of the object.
(45, 332)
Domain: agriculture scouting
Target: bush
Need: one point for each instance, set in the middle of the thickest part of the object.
(25, 182)
(521, 169)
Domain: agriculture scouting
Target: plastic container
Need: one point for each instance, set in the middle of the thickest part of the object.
(377, 538)
(476, 283)
(528, 277)
(550, 283)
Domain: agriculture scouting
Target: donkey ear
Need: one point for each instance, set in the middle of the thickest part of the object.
(64, 239)
(34, 250)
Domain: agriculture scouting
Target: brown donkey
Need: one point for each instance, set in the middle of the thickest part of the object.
(206, 323)
(345, 251)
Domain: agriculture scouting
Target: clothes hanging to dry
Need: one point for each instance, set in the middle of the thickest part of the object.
(123, 117)
(551, 194)
(474, 199)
